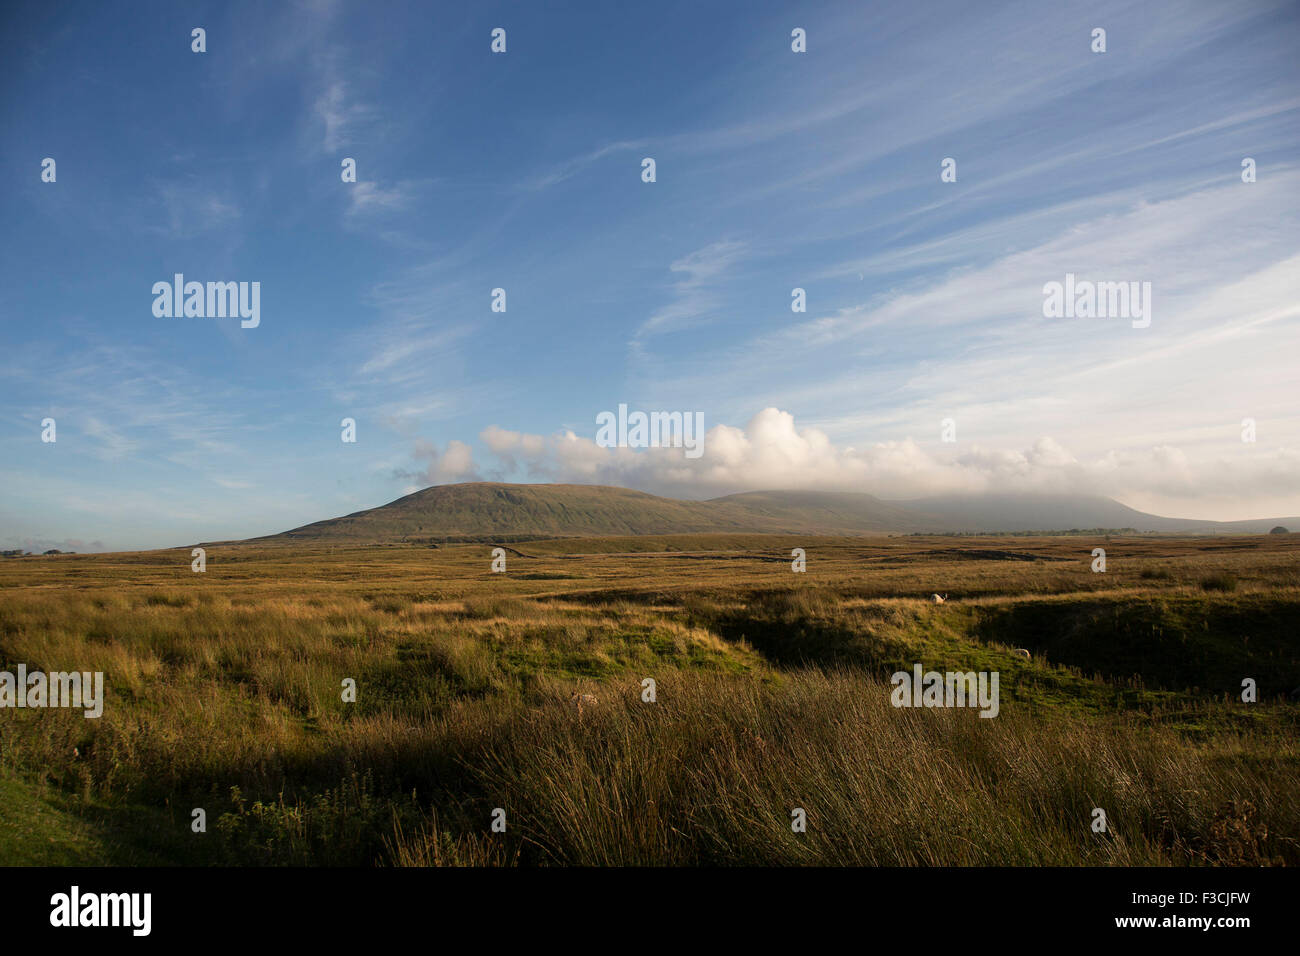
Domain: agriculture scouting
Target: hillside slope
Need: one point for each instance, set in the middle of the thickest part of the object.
(479, 508)
(1062, 512)
(486, 509)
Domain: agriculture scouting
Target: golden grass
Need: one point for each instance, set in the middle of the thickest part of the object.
(224, 692)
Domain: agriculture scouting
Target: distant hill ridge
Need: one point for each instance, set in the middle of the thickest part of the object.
(479, 509)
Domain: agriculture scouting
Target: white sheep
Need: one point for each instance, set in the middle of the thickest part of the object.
(581, 700)
(937, 599)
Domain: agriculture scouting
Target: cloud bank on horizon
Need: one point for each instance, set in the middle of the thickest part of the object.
(771, 452)
(925, 362)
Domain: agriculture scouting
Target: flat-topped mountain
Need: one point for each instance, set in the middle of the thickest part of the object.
(485, 509)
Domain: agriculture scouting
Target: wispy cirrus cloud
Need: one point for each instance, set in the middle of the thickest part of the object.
(340, 113)
(695, 295)
(576, 165)
(365, 197)
(190, 208)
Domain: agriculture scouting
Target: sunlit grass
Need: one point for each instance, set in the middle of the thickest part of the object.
(224, 692)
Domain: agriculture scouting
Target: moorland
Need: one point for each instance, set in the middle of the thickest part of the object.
(224, 692)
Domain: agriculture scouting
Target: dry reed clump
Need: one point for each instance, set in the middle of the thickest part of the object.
(711, 773)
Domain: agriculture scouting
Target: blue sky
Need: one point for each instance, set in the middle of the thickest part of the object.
(522, 170)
